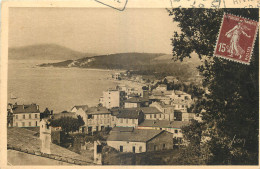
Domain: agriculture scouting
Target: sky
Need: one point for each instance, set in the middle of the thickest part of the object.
(99, 30)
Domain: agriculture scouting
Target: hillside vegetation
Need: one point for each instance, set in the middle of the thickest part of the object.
(139, 63)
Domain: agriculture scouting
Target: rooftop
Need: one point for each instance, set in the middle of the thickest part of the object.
(137, 100)
(83, 107)
(178, 92)
(97, 110)
(31, 108)
(27, 140)
(149, 110)
(164, 123)
(122, 129)
(64, 114)
(133, 136)
(129, 113)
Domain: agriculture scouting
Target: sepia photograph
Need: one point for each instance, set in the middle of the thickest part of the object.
(137, 86)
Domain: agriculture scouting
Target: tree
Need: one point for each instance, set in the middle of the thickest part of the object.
(68, 124)
(232, 104)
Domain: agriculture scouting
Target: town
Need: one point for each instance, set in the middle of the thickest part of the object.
(137, 116)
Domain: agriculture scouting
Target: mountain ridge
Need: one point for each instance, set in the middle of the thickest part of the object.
(45, 52)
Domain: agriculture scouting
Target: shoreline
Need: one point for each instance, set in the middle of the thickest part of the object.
(91, 69)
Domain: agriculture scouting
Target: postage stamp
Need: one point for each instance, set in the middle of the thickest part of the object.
(236, 38)
(116, 4)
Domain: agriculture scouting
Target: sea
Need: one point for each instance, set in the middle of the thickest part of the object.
(57, 89)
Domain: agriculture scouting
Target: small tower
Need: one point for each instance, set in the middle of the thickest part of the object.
(45, 136)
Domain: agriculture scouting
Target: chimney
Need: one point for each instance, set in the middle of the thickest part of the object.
(45, 136)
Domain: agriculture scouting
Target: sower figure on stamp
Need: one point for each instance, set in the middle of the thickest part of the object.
(234, 34)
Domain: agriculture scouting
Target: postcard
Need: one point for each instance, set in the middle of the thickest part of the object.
(126, 83)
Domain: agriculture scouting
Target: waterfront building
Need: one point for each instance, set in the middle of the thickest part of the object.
(112, 98)
(25, 115)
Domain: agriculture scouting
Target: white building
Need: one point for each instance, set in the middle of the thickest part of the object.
(112, 98)
(180, 95)
(25, 115)
(162, 87)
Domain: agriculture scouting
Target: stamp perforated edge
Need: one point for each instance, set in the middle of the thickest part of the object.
(253, 45)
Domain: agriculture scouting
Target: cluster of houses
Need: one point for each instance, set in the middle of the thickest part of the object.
(141, 120)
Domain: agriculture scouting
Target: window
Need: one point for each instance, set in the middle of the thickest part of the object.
(16, 116)
(176, 131)
(23, 124)
(99, 148)
(164, 146)
(155, 147)
(90, 116)
(140, 149)
(133, 149)
(121, 148)
(89, 129)
(36, 116)
(30, 116)
(102, 128)
(96, 128)
(154, 116)
(160, 128)
(30, 123)
(36, 123)
(151, 116)
(160, 115)
(24, 116)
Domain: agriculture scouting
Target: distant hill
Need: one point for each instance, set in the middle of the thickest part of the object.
(112, 61)
(158, 64)
(45, 52)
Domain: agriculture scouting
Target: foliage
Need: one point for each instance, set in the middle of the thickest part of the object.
(232, 104)
(68, 124)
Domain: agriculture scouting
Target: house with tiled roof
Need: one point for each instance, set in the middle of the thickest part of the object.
(161, 87)
(80, 110)
(135, 102)
(129, 117)
(25, 115)
(180, 95)
(173, 127)
(97, 119)
(128, 139)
